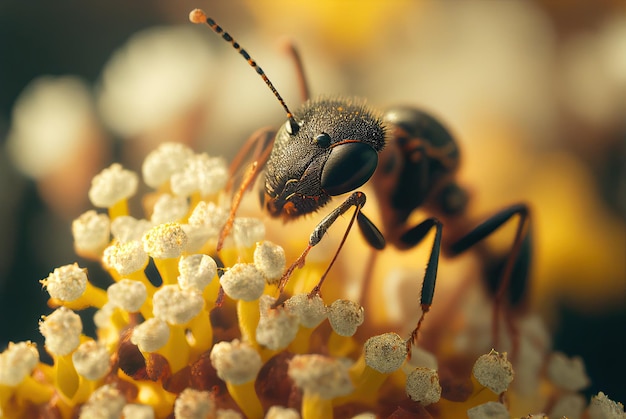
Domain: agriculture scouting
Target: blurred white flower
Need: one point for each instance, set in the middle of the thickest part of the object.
(157, 75)
(51, 118)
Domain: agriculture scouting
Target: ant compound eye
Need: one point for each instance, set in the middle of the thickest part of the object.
(349, 166)
(322, 140)
(292, 126)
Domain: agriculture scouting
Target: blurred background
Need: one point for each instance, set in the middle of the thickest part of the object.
(535, 92)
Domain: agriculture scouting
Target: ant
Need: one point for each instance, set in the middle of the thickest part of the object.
(332, 146)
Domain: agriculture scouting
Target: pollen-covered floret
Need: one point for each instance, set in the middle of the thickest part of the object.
(165, 241)
(201, 173)
(270, 259)
(127, 294)
(243, 282)
(126, 228)
(112, 185)
(176, 306)
(169, 209)
(193, 404)
(235, 362)
(125, 257)
(106, 402)
(422, 385)
(601, 407)
(277, 327)
(310, 310)
(317, 374)
(196, 271)
(489, 410)
(66, 283)
(91, 360)
(345, 317)
(17, 361)
(138, 411)
(91, 233)
(385, 353)
(567, 373)
(150, 335)
(160, 164)
(493, 371)
(62, 331)
(248, 231)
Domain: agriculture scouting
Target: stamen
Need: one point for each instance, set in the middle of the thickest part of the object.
(270, 259)
(91, 233)
(422, 386)
(493, 371)
(62, 330)
(345, 317)
(91, 360)
(238, 364)
(192, 404)
(111, 188)
(160, 164)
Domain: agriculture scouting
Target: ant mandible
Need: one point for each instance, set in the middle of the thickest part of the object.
(332, 146)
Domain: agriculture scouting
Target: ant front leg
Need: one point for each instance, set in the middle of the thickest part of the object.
(411, 238)
(262, 141)
(513, 275)
(371, 233)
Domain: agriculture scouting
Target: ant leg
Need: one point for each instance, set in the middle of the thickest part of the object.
(514, 275)
(413, 237)
(369, 230)
(263, 139)
(292, 51)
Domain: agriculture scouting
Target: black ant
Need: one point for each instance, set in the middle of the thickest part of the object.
(332, 146)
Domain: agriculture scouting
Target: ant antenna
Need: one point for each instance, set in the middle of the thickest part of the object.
(199, 17)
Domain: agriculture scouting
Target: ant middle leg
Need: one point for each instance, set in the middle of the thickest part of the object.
(410, 238)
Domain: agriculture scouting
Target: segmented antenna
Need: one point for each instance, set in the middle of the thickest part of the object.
(199, 17)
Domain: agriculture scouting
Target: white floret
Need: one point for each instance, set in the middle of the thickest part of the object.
(150, 335)
(66, 283)
(243, 282)
(345, 317)
(112, 185)
(323, 376)
(125, 257)
(17, 362)
(310, 310)
(165, 241)
(422, 385)
(194, 404)
(62, 330)
(176, 306)
(160, 164)
(493, 371)
(235, 362)
(196, 271)
(127, 294)
(169, 209)
(201, 173)
(91, 232)
(270, 259)
(385, 353)
(91, 360)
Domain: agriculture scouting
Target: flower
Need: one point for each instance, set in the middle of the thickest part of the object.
(209, 338)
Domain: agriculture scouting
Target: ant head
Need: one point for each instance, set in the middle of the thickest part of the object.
(343, 135)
